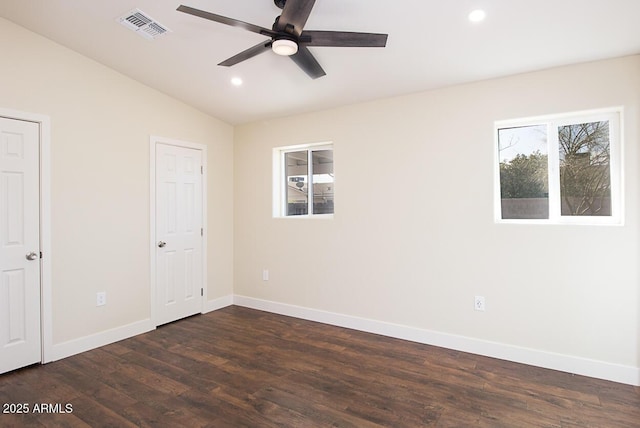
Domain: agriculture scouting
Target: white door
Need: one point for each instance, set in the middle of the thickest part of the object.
(20, 343)
(178, 232)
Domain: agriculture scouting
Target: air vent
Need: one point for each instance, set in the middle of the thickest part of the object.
(143, 24)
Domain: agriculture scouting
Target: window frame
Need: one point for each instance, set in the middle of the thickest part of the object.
(280, 180)
(614, 115)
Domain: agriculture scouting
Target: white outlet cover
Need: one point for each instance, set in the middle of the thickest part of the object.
(101, 298)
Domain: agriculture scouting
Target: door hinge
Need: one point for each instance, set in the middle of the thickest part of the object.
(201, 169)
(202, 291)
(40, 254)
(202, 231)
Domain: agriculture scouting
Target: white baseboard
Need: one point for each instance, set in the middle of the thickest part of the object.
(566, 363)
(83, 344)
(582, 366)
(219, 303)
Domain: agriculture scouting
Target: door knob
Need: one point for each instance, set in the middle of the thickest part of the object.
(161, 244)
(32, 256)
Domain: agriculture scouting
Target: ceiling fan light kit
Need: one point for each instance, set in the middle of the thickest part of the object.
(284, 47)
(288, 37)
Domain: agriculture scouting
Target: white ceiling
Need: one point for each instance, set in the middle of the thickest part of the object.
(431, 44)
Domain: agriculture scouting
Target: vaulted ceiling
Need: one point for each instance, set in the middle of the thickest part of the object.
(431, 44)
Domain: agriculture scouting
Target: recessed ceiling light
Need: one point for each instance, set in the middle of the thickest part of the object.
(236, 81)
(477, 15)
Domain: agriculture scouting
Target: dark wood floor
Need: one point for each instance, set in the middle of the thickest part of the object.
(239, 367)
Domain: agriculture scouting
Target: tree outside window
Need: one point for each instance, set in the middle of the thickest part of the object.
(585, 169)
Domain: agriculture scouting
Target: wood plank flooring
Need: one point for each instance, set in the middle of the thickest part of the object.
(238, 367)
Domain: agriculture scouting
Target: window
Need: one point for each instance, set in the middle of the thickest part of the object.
(304, 184)
(560, 169)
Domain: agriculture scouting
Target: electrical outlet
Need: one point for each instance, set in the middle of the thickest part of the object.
(101, 298)
(265, 274)
(478, 303)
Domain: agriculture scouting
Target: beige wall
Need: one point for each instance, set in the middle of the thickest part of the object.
(101, 122)
(413, 238)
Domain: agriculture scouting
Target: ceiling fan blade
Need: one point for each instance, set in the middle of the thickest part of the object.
(344, 39)
(307, 62)
(295, 14)
(249, 53)
(224, 20)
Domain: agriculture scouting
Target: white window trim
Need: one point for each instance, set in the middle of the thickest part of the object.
(279, 191)
(615, 116)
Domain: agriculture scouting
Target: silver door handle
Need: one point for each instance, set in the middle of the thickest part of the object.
(161, 244)
(32, 256)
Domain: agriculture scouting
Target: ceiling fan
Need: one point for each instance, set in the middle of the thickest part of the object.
(289, 38)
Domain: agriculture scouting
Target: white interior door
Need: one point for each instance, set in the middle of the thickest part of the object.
(179, 240)
(20, 343)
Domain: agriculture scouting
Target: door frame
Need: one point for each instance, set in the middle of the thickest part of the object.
(46, 294)
(153, 142)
